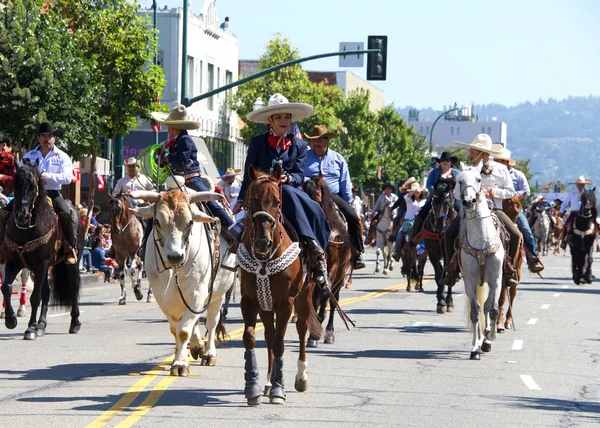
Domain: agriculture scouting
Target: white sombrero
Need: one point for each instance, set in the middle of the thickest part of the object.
(280, 104)
(581, 180)
(503, 154)
(407, 183)
(482, 142)
(178, 118)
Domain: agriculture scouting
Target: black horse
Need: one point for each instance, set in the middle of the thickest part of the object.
(582, 237)
(440, 216)
(33, 242)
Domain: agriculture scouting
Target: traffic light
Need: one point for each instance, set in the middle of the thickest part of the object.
(377, 62)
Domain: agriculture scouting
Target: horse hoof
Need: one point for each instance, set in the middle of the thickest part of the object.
(150, 298)
(10, 321)
(254, 401)
(312, 343)
(122, 301)
(75, 327)
(2, 315)
(500, 329)
(449, 308)
(40, 331)
(209, 360)
(408, 288)
(391, 268)
(441, 309)
(475, 355)
(486, 347)
(21, 312)
(421, 289)
(138, 293)
(376, 270)
(301, 385)
(29, 335)
(329, 338)
(197, 352)
(276, 400)
(508, 325)
(386, 272)
(182, 371)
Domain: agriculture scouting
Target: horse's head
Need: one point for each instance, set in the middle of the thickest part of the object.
(174, 216)
(28, 186)
(314, 188)
(468, 184)
(263, 209)
(117, 206)
(588, 202)
(442, 201)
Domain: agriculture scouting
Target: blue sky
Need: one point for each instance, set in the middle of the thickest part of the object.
(439, 52)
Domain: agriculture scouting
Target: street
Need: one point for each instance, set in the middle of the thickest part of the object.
(403, 365)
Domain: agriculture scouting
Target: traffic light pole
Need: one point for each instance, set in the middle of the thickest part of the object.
(433, 126)
(189, 101)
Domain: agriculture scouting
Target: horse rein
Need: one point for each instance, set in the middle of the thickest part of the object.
(29, 225)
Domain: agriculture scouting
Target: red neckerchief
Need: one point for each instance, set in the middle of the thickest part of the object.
(282, 143)
(170, 142)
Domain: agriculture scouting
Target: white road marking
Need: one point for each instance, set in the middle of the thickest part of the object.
(556, 295)
(546, 306)
(529, 382)
(59, 315)
(532, 321)
(511, 362)
(420, 323)
(565, 286)
(517, 345)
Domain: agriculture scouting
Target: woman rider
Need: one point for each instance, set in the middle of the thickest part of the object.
(414, 204)
(280, 147)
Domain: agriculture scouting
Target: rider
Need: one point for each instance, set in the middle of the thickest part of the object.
(400, 208)
(56, 170)
(521, 188)
(320, 159)
(445, 173)
(414, 203)
(497, 185)
(280, 147)
(573, 203)
(231, 185)
(134, 180)
(8, 166)
(386, 198)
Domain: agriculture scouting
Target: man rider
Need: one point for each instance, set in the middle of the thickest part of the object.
(573, 203)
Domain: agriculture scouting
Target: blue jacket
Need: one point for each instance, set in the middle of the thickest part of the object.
(263, 158)
(433, 176)
(183, 154)
(98, 258)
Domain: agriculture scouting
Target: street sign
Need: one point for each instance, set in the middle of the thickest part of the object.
(353, 60)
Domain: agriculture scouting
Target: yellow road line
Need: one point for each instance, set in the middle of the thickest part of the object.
(158, 390)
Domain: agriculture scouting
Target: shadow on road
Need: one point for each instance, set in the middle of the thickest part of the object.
(414, 354)
(579, 289)
(387, 311)
(552, 404)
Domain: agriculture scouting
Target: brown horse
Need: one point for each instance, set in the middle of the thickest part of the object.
(126, 232)
(361, 222)
(272, 280)
(511, 208)
(338, 255)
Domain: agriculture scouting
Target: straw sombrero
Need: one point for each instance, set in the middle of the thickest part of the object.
(230, 172)
(503, 154)
(178, 118)
(581, 180)
(408, 183)
(280, 104)
(414, 187)
(482, 142)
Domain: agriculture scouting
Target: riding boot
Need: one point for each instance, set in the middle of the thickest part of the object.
(534, 262)
(414, 231)
(318, 262)
(4, 216)
(358, 261)
(511, 272)
(70, 238)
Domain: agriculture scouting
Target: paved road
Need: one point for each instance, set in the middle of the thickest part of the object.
(403, 365)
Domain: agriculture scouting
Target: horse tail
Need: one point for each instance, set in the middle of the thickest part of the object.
(314, 325)
(221, 331)
(67, 283)
(481, 292)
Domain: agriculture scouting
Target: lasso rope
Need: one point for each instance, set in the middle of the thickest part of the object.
(150, 167)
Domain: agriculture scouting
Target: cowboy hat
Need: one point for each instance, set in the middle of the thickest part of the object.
(320, 131)
(482, 142)
(581, 180)
(178, 118)
(280, 104)
(539, 198)
(446, 156)
(414, 187)
(46, 128)
(503, 154)
(230, 172)
(131, 161)
(407, 183)
(386, 185)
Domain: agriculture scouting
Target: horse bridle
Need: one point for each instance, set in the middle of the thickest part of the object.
(158, 242)
(273, 220)
(30, 214)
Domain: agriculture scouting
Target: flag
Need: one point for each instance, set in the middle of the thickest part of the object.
(76, 175)
(379, 172)
(100, 181)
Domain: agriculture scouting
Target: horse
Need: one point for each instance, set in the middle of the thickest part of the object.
(25, 279)
(482, 256)
(583, 234)
(385, 248)
(127, 233)
(338, 256)
(438, 219)
(413, 264)
(556, 232)
(361, 220)
(182, 266)
(32, 238)
(541, 229)
(273, 279)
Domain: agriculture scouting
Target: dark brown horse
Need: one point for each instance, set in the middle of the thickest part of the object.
(338, 256)
(272, 282)
(361, 222)
(126, 232)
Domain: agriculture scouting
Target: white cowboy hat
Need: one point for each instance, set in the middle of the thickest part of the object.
(503, 154)
(407, 183)
(131, 161)
(482, 142)
(280, 104)
(414, 187)
(178, 118)
(539, 198)
(230, 172)
(581, 180)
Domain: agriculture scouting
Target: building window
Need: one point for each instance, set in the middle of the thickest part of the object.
(458, 130)
(200, 77)
(228, 80)
(452, 130)
(211, 85)
(190, 77)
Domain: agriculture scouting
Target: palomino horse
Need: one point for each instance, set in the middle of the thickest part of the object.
(32, 241)
(25, 279)
(273, 280)
(541, 229)
(182, 267)
(511, 208)
(482, 255)
(582, 236)
(385, 248)
(438, 219)
(338, 256)
(127, 232)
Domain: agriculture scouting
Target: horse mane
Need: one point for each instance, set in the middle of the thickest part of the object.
(327, 203)
(591, 195)
(123, 213)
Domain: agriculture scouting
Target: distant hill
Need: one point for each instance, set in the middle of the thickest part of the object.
(562, 138)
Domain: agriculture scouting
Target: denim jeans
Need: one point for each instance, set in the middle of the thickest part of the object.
(88, 259)
(528, 238)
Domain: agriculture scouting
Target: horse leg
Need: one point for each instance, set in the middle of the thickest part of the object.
(512, 293)
(41, 279)
(377, 254)
(501, 302)
(197, 347)
(349, 281)
(268, 320)
(42, 323)
(329, 330)
(387, 256)
(252, 390)
(390, 248)
(588, 276)
(24, 277)
(277, 394)
(10, 319)
(213, 322)
(135, 283)
(303, 308)
(123, 297)
(319, 302)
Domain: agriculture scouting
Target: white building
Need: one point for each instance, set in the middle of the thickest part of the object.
(212, 62)
(349, 82)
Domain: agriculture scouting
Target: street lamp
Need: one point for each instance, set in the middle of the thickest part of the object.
(433, 126)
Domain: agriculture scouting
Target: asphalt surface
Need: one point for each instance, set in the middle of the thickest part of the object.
(403, 365)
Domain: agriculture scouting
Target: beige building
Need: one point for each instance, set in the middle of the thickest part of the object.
(349, 82)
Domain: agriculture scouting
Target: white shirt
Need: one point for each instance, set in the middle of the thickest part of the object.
(357, 205)
(573, 201)
(384, 200)
(231, 190)
(57, 165)
(128, 184)
(412, 207)
(499, 180)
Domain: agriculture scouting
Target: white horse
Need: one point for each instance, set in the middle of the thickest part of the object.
(482, 255)
(385, 248)
(182, 273)
(541, 232)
